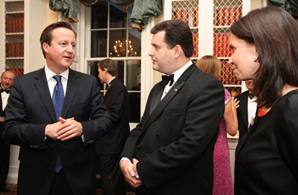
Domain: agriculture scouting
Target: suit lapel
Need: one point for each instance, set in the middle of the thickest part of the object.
(110, 88)
(171, 94)
(243, 140)
(244, 109)
(70, 91)
(42, 88)
(156, 98)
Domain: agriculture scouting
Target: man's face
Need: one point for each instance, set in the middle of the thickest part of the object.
(102, 75)
(61, 52)
(161, 55)
(7, 80)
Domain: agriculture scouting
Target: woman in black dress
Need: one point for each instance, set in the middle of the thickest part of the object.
(265, 49)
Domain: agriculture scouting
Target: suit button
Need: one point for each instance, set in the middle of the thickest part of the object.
(157, 134)
(147, 154)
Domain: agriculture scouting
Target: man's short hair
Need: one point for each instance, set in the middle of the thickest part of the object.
(177, 32)
(110, 65)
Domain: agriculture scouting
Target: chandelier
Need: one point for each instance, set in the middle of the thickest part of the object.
(119, 48)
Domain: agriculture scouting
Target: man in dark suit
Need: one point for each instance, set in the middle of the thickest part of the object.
(109, 146)
(171, 149)
(7, 79)
(246, 111)
(56, 132)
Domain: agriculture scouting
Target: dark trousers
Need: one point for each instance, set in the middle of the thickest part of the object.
(4, 161)
(113, 182)
(60, 185)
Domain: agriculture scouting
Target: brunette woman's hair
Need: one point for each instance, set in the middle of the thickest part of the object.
(274, 32)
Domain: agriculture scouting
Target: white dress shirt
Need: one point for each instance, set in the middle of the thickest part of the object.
(4, 97)
(52, 82)
(177, 75)
(251, 109)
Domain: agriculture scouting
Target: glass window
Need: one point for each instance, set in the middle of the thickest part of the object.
(112, 37)
(100, 15)
(118, 43)
(118, 16)
(99, 43)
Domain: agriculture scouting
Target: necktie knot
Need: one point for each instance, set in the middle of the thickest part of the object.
(57, 78)
(168, 78)
(250, 95)
(6, 90)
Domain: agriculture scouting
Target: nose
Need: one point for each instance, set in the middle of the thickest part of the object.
(70, 48)
(150, 52)
(230, 63)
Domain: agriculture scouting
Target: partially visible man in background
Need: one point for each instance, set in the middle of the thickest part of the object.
(7, 79)
(246, 111)
(110, 145)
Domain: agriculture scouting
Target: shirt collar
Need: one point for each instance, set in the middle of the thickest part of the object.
(111, 80)
(50, 74)
(181, 70)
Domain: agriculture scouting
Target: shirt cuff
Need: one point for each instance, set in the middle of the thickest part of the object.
(127, 159)
(124, 158)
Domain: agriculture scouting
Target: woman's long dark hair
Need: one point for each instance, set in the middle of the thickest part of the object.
(274, 32)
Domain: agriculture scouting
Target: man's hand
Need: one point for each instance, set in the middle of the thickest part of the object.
(1, 119)
(64, 130)
(71, 128)
(129, 174)
(53, 129)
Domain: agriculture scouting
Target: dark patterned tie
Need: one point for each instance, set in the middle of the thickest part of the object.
(58, 100)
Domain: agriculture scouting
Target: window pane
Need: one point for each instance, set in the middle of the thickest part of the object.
(99, 15)
(134, 38)
(118, 16)
(117, 43)
(133, 74)
(134, 106)
(120, 70)
(112, 37)
(94, 71)
(99, 44)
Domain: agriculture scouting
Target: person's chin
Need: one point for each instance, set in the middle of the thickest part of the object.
(155, 67)
(67, 65)
(236, 74)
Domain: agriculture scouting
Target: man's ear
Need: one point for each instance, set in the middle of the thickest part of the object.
(45, 47)
(177, 51)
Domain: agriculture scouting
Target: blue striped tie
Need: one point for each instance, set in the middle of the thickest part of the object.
(58, 100)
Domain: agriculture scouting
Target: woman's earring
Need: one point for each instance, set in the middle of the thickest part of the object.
(256, 58)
